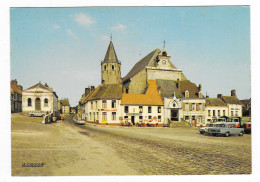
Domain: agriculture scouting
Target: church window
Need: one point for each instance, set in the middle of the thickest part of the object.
(46, 102)
(104, 104)
(218, 112)
(29, 102)
(113, 103)
(119, 68)
(208, 112)
(224, 113)
(112, 67)
(105, 67)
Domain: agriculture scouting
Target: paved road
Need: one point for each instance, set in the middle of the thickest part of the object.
(168, 151)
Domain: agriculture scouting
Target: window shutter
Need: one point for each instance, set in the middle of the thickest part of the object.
(190, 106)
(197, 106)
(203, 107)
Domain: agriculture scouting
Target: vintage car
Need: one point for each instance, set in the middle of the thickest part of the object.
(225, 129)
(36, 113)
(80, 122)
(203, 129)
(247, 127)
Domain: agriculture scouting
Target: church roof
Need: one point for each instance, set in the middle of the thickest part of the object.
(148, 60)
(110, 56)
(231, 100)
(106, 91)
(215, 102)
(151, 97)
(168, 87)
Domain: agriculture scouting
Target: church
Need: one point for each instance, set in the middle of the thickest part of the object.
(154, 92)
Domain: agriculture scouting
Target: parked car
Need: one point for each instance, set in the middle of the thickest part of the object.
(203, 129)
(80, 121)
(247, 127)
(36, 113)
(225, 129)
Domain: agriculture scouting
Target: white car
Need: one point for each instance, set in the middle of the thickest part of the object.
(80, 122)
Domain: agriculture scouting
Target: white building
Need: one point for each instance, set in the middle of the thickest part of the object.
(39, 98)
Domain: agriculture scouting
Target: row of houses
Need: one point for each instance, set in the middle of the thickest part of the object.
(153, 92)
(38, 97)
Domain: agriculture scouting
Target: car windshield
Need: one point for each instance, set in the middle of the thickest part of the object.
(211, 125)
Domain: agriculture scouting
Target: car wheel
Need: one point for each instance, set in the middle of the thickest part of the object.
(241, 133)
(226, 134)
(202, 132)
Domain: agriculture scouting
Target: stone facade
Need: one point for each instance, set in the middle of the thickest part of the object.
(16, 96)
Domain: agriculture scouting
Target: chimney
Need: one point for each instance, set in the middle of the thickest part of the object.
(233, 93)
(92, 88)
(87, 91)
(199, 87)
(219, 96)
(14, 82)
(178, 84)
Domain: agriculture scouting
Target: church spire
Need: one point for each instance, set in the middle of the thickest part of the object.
(111, 54)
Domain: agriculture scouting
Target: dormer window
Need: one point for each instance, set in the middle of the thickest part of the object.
(200, 94)
(164, 54)
(187, 94)
(112, 67)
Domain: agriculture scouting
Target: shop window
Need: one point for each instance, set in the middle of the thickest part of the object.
(159, 109)
(140, 109)
(126, 109)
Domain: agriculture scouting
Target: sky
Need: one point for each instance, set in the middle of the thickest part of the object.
(64, 47)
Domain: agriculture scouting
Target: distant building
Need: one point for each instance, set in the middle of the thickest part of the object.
(39, 97)
(246, 107)
(215, 108)
(234, 104)
(65, 106)
(16, 96)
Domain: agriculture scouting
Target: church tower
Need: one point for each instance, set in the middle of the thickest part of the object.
(111, 67)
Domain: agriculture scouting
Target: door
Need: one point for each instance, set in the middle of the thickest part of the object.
(174, 115)
(37, 104)
(133, 120)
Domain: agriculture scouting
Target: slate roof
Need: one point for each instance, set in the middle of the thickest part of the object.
(151, 97)
(168, 87)
(111, 54)
(231, 100)
(245, 102)
(215, 102)
(106, 91)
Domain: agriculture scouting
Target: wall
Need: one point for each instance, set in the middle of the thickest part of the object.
(164, 74)
(111, 76)
(216, 108)
(236, 108)
(137, 83)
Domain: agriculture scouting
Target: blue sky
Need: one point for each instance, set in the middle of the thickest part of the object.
(64, 46)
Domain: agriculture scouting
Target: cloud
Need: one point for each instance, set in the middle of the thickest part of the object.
(83, 19)
(118, 27)
(70, 33)
(56, 26)
(104, 37)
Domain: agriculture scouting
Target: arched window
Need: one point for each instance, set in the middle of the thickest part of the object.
(105, 67)
(119, 68)
(186, 94)
(29, 102)
(46, 102)
(112, 67)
